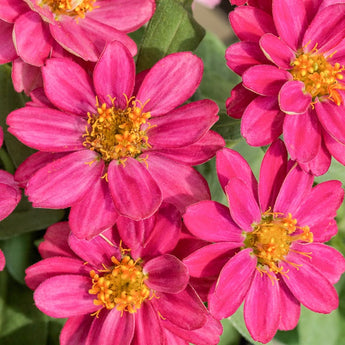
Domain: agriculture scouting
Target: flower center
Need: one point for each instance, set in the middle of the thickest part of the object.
(122, 286)
(320, 77)
(117, 134)
(272, 237)
(72, 8)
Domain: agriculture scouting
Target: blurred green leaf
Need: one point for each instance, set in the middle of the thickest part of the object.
(171, 29)
(228, 128)
(230, 336)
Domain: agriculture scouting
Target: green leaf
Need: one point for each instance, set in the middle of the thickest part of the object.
(228, 128)
(230, 336)
(171, 29)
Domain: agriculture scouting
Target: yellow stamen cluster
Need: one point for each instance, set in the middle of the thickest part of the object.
(117, 134)
(72, 8)
(122, 286)
(272, 237)
(320, 77)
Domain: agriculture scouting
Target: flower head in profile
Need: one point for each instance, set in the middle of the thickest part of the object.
(122, 287)
(292, 75)
(110, 145)
(267, 248)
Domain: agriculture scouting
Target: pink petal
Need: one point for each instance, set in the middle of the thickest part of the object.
(134, 190)
(243, 206)
(166, 274)
(324, 230)
(336, 149)
(181, 185)
(277, 51)
(272, 173)
(242, 55)
(9, 198)
(32, 38)
(11, 9)
(47, 129)
(292, 98)
(66, 180)
(2, 260)
(84, 219)
(265, 80)
(291, 21)
(263, 298)
(65, 296)
(7, 50)
(194, 118)
(211, 221)
(250, 23)
(262, 121)
(75, 330)
(69, 87)
(232, 285)
(309, 286)
(170, 82)
(114, 74)
(1, 136)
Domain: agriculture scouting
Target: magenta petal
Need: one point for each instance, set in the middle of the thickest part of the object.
(262, 121)
(336, 149)
(9, 197)
(277, 51)
(290, 20)
(166, 274)
(272, 173)
(84, 221)
(265, 80)
(75, 330)
(309, 285)
(1, 136)
(11, 9)
(2, 260)
(135, 192)
(243, 206)
(64, 181)
(263, 298)
(65, 296)
(232, 285)
(292, 98)
(170, 82)
(7, 50)
(324, 230)
(211, 221)
(114, 74)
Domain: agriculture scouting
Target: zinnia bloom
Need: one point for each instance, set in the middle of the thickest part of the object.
(121, 292)
(110, 147)
(292, 76)
(268, 245)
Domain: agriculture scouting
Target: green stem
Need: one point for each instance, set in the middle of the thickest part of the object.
(6, 161)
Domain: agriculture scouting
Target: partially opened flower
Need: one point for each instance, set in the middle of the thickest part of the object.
(113, 293)
(268, 245)
(292, 76)
(108, 147)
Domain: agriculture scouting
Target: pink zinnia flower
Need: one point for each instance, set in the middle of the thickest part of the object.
(292, 76)
(108, 147)
(126, 292)
(268, 245)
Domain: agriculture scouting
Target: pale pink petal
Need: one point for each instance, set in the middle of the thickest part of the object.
(272, 173)
(290, 20)
(32, 38)
(64, 181)
(7, 50)
(2, 260)
(75, 330)
(194, 118)
(114, 75)
(262, 121)
(265, 80)
(242, 55)
(302, 135)
(47, 129)
(232, 285)
(243, 205)
(134, 190)
(211, 221)
(263, 299)
(277, 51)
(11, 9)
(166, 274)
(292, 98)
(170, 82)
(181, 185)
(65, 296)
(250, 23)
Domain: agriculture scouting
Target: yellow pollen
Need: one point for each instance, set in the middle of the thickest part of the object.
(117, 134)
(271, 240)
(121, 286)
(320, 78)
(72, 8)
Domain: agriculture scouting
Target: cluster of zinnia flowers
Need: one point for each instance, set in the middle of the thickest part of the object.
(144, 249)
